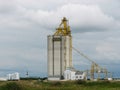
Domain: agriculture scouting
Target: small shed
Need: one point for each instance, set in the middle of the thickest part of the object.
(72, 74)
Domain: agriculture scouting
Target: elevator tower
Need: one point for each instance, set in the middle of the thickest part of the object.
(59, 51)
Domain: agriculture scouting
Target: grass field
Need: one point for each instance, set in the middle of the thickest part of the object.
(64, 85)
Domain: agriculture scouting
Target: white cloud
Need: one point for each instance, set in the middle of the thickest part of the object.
(82, 17)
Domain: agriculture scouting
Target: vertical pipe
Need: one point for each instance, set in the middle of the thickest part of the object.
(61, 56)
(53, 53)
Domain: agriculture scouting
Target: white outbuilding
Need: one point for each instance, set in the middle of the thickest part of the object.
(72, 74)
(69, 74)
(13, 76)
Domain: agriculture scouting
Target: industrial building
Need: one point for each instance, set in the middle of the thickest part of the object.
(9, 77)
(72, 74)
(13, 76)
(59, 51)
(60, 57)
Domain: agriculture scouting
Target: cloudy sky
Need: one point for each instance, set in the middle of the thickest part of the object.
(25, 24)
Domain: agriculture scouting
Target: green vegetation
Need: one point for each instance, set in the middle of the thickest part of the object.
(56, 85)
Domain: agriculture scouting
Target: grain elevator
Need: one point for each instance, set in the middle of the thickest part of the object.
(59, 51)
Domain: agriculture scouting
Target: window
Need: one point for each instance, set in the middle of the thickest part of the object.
(80, 77)
(76, 76)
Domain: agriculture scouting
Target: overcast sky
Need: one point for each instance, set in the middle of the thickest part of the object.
(25, 24)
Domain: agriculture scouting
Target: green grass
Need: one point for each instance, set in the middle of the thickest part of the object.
(56, 85)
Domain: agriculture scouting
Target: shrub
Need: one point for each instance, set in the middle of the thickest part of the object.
(11, 86)
(80, 82)
(56, 84)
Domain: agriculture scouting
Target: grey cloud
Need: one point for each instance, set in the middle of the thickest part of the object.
(83, 18)
(90, 17)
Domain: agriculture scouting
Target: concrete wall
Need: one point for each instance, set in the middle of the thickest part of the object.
(59, 55)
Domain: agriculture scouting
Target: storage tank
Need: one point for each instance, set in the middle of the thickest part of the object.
(59, 56)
